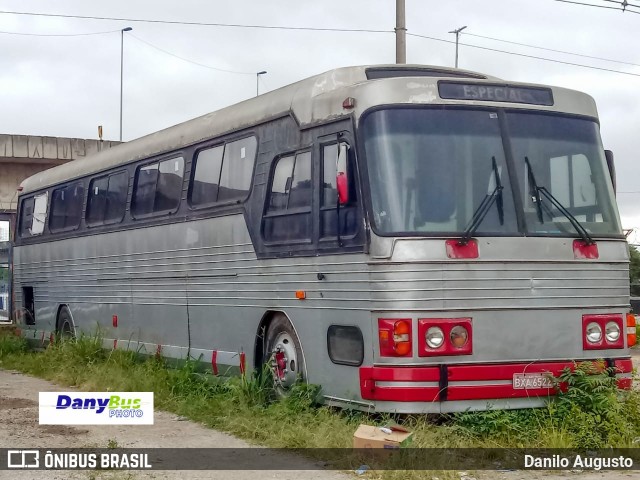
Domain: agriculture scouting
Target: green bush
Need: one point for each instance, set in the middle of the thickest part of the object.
(11, 344)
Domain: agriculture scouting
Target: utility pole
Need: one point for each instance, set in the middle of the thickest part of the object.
(401, 33)
(457, 32)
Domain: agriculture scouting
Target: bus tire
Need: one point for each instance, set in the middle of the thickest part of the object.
(66, 329)
(283, 355)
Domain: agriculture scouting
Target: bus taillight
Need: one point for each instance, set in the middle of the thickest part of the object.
(444, 336)
(600, 332)
(631, 330)
(395, 337)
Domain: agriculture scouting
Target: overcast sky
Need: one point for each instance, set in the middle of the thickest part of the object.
(67, 86)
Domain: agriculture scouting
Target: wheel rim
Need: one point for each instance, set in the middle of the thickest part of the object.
(284, 361)
(66, 329)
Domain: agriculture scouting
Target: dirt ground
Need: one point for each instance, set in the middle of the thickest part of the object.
(19, 428)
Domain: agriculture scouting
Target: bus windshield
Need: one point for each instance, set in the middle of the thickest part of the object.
(567, 158)
(430, 169)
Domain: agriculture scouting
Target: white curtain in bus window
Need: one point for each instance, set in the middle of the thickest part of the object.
(237, 169)
(39, 213)
(66, 208)
(207, 176)
(571, 183)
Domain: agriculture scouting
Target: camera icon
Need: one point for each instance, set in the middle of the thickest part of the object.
(23, 459)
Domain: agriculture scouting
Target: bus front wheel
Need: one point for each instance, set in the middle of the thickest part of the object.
(283, 356)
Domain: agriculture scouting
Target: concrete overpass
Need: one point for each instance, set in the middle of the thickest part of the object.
(20, 157)
(24, 155)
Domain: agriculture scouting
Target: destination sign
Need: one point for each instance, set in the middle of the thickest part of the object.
(495, 93)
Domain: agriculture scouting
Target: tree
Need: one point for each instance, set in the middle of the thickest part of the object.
(634, 271)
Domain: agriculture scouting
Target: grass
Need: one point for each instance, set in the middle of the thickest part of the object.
(591, 414)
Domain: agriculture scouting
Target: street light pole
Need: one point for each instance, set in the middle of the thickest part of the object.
(401, 32)
(127, 29)
(258, 78)
(457, 32)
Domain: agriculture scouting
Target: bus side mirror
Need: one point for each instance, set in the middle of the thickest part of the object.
(608, 154)
(342, 179)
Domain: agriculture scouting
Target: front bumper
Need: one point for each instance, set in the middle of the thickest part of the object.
(472, 382)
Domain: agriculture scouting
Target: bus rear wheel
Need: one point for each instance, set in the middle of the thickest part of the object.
(283, 356)
(65, 324)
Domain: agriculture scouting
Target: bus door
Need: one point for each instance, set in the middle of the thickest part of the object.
(340, 225)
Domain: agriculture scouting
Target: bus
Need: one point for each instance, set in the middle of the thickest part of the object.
(412, 239)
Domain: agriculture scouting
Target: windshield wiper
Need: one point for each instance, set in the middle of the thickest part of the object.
(535, 192)
(485, 206)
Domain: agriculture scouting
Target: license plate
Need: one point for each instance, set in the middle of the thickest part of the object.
(525, 381)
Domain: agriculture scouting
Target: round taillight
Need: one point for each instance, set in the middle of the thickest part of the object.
(459, 336)
(612, 332)
(593, 332)
(434, 337)
(402, 348)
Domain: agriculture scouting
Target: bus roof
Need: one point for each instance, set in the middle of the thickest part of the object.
(295, 99)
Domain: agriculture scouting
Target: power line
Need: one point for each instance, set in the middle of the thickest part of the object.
(587, 4)
(526, 56)
(58, 34)
(201, 24)
(186, 59)
(552, 49)
(624, 4)
(603, 6)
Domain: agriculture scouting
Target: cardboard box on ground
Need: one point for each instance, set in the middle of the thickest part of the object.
(394, 436)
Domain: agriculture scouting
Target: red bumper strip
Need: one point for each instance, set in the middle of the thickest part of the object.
(623, 366)
(487, 392)
(370, 391)
(463, 373)
(485, 375)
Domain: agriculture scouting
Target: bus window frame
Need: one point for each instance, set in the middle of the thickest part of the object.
(289, 212)
(158, 161)
(107, 175)
(72, 184)
(213, 143)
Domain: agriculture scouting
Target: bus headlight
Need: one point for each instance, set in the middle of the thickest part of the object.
(593, 332)
(612, 332)
(434, 337)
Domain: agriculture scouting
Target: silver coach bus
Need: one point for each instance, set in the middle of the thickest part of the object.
(411, 238)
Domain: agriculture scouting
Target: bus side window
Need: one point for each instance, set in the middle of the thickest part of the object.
(206, 177)
(107, 199)
(237, 168)
(26, 216)
(288, 214)
(158, 187)
(66, 207)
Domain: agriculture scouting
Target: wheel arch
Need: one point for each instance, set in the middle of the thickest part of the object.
(263, 328)
(61, 307)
